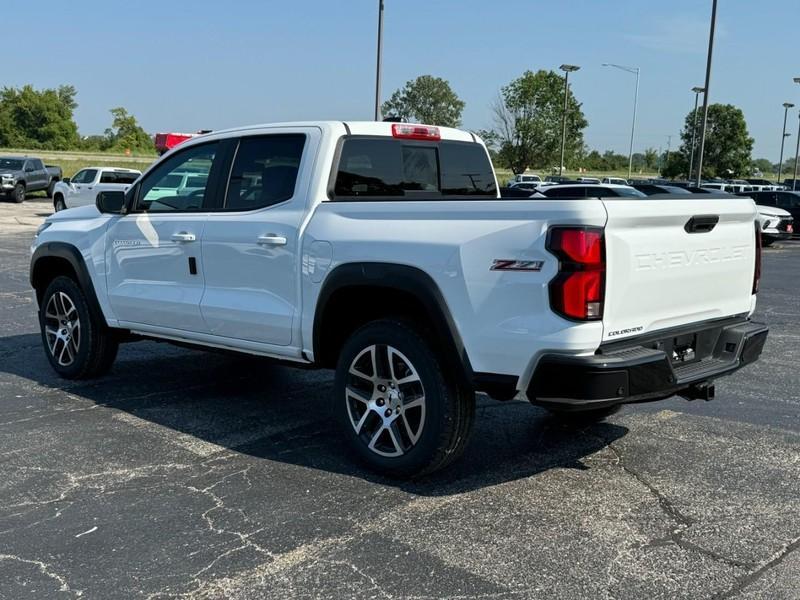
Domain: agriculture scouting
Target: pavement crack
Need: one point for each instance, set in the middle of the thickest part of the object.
(665, 503)
(754, 576)
(683, 522)
(46, 570)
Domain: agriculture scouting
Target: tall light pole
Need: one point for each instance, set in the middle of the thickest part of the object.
(697, 91)
(378, 68)
(635, 71)
(786, 107)
(705, 95)
(567, 70)
(796, 158)
(797, 151)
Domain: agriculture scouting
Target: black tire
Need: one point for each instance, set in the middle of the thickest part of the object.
(96, 347)
(58, 203)
(50, 188)
(18, 195)
(765, 241)
(447, 413)
(584, 417)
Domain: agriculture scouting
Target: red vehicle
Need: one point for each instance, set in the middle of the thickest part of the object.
(165, 142)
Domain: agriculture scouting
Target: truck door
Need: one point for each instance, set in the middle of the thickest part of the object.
(251, 251)
(154, 264)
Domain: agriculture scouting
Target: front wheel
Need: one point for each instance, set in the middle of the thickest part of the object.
(18, 195)
(58, 203)
(398, 407)
(78, 344)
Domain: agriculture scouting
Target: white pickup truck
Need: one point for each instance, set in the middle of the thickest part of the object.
(83, 187)
(383, 250)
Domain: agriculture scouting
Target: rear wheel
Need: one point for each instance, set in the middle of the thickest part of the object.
(18, 195)
(398, 409)
(50, 188)
(78, 344)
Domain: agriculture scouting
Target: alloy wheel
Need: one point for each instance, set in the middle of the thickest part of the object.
(385, 400)
(62, 328)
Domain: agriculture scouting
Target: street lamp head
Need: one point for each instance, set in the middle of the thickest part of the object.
(788, 105)
(569, 68)
(698, 90)
(796, 79)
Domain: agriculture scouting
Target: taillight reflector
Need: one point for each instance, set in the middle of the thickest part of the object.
(578, 291)
(415, 132)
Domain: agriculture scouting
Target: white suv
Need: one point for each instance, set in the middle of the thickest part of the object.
(383, 251)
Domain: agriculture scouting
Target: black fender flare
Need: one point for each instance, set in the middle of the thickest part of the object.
(72, 255)
(408, 279)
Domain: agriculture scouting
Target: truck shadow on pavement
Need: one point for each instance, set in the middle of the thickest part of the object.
(256, 408)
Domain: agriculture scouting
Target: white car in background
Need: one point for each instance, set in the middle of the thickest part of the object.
(776, 224)
(525, 178)
(615, 180)
(83, 187)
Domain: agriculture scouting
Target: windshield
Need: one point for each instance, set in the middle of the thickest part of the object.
(10, 163)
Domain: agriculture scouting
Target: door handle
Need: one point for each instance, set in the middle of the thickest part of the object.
(183, 236)
(271, 240)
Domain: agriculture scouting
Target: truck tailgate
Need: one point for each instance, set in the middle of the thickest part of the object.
(662, 275)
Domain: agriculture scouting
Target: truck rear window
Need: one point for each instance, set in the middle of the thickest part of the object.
(381, 168)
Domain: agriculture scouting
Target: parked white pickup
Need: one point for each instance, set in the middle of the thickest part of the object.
(83, 187)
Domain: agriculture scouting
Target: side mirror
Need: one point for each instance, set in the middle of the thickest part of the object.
(110, 202)
(66, 180)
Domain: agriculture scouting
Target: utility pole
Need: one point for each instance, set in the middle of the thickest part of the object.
(669, 147)
(786, 107)
(378, 68)
(705, 95)
(697, 91)
(633, 71)
(567, 70)
(796, 157)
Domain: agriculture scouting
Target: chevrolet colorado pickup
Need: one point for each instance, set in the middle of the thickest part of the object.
(22, 174)
(384, 251)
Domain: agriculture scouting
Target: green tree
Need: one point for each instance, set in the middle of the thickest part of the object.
(728, 145)
(528, 115)
(426, 99)
(674, 164)
(32, 118)
(650, 158)
(126, 134)
(764, 165)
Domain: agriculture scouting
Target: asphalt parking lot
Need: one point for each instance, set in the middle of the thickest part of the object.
(209, 476)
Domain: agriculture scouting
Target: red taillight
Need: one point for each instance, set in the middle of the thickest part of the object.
(577, 291)
(757, 269)
(409, 131)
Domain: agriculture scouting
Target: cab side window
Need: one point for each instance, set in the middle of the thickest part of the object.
(264, 171)
(84, 176)
(179, 184)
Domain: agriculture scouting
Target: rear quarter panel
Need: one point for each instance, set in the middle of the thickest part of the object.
(503, 317)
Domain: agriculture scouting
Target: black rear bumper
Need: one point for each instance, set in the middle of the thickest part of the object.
(647, 368)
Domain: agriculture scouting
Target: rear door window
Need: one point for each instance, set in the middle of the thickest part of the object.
(375, 168)
(264, 171)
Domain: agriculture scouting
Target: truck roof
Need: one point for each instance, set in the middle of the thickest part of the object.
(114, 169)
(355, 127)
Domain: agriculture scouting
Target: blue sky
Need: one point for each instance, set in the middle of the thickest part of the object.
(187, 65)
